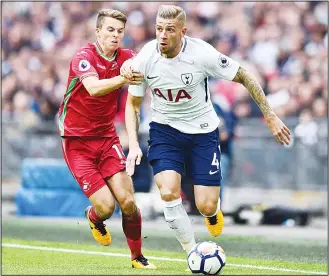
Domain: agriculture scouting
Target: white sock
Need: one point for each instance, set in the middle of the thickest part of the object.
(218, 208)
(178, 220)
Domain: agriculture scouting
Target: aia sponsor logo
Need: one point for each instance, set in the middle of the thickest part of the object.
(181, 94)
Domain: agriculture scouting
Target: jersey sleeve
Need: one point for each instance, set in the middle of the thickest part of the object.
(125, 54)
(139, 64)
(130, 54)
(83, 65)
(218, 65)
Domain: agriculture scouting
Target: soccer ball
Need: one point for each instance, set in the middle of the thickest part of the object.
(207, 258)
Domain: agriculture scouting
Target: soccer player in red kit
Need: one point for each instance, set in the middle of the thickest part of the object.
(91, 147)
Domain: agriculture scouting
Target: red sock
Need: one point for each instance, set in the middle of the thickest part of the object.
(132, 227)
(93, 216)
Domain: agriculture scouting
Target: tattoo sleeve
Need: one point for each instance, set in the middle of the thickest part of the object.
(137, 120)
(132, 118)
(255, 90)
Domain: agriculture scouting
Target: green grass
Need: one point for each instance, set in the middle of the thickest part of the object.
(59, 263)
(27, 261)
(234, 246)
(245, 255)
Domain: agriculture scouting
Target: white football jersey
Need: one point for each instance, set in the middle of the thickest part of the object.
(180, 93)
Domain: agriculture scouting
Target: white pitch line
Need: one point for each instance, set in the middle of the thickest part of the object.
(44, 248)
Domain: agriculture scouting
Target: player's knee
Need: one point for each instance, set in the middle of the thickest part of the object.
(128, 205)
(104, 208)
(169, 195)
(207, 208)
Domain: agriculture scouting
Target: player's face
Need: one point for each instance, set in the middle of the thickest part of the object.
(169, 33)
(111, 33)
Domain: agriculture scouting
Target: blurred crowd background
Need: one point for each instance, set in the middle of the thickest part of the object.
(283, 44)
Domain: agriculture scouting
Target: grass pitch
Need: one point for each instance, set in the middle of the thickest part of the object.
(58, 248)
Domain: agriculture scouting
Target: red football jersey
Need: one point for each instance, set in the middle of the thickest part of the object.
(81, 114)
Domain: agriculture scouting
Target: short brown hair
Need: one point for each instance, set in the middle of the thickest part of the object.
(109, 13)
(172, 12)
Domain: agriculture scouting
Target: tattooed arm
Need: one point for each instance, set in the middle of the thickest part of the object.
(276, 126)
(255, 91)
(132, 117)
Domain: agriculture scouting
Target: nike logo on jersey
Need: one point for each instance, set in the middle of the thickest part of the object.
(211, 172)
(149, 78)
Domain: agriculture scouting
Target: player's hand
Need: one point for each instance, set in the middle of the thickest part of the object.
(278, 129)
(136, 79)
(126, 69)
(134, 158)
(223, 136)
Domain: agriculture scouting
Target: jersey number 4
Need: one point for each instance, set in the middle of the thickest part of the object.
(215, 161)
(182, 94)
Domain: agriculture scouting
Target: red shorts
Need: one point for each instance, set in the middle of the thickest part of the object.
(91, 161)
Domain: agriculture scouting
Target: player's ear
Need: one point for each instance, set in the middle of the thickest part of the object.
(97, 32)
(184, 30)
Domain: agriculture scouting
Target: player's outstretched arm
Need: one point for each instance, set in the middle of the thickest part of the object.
(126, 69)
(98, 88)
(132, 117)
(276, 126)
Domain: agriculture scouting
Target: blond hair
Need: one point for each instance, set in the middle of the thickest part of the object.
(109, 13)
(172, 12)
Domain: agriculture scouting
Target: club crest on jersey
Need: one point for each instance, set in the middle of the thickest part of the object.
(187, 78)
(223, 61)
(84, 65)
(86, 185)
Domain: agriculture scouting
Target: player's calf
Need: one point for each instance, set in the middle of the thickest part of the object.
(103, 205)
(214, 220)
(98, 229)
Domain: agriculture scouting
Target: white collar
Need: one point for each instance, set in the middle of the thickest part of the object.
(182, 50)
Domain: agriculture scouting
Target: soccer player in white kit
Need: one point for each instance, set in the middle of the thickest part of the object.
(184, 129)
